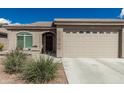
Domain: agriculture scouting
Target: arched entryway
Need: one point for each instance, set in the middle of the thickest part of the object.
(49, 43)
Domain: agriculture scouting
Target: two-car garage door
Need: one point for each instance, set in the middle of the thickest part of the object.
(90, 44)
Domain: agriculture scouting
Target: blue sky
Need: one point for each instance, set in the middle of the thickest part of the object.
(29, 15)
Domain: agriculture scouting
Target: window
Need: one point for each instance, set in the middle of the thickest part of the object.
(88, 32)
(24, 40)
(115, 32)
(101, 32)
(95, 32)
(81, 32)
(108, 32)
(3, 35)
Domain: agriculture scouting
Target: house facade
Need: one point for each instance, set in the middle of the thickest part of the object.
(68, 37)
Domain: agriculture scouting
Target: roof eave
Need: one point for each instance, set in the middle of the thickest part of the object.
(26, 27)
(88, 22)
(114, 24)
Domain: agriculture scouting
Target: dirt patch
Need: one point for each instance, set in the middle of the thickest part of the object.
(16, 79)
(60, 77)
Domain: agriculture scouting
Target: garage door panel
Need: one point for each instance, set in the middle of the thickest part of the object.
(90, 45)
(94, 43)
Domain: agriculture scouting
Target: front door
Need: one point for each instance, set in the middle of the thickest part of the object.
(48, 43)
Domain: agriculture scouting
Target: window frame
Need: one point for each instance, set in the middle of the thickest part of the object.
(24, 35)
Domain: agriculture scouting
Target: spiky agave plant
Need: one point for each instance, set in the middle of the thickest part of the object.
(14, 62)
(40, 70)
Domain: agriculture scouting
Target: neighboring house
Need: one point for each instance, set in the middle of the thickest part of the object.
(3, 38)
(69, 37)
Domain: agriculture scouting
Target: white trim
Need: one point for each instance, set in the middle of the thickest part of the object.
(24, 35)
(24, 41)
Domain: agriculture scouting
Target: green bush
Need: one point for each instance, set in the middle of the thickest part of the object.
(40, 70)
(14, 62)
(1, 46)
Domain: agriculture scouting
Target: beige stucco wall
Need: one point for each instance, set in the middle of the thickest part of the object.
(36, 39)
(70, 36)
(122, 42)
(12, 40)
(12, 35)
(59, 51)
(88, 27)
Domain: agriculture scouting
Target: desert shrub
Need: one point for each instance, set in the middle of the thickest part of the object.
(14, 62)
(40, 70)
(1, 46)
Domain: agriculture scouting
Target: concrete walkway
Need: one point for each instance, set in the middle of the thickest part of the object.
(94, 70)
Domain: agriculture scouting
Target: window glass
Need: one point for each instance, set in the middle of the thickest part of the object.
(81, 31)
(95, 32)
(115, 32)
(20, 41)
(24, 40)
(88, 32)
(102, 32)
(28, 41)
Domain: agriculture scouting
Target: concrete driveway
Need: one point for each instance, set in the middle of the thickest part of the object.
(94, 70)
